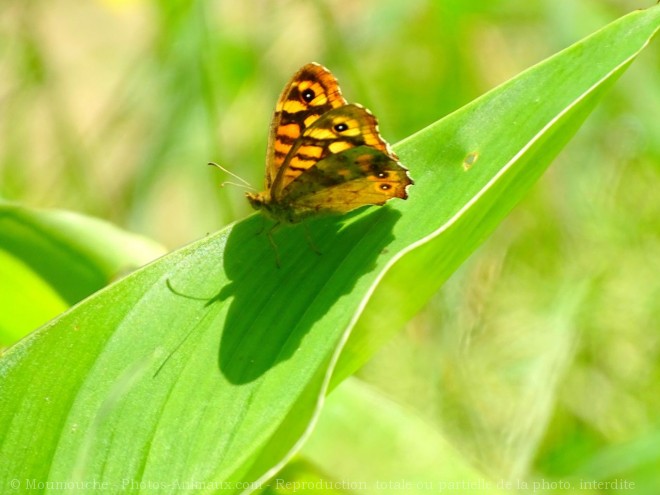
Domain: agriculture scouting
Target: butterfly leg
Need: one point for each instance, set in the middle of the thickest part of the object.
(269, 234)
(310, 241)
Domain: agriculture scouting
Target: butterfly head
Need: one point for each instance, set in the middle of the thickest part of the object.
(258, 201)
(263, 202)
(274, 210)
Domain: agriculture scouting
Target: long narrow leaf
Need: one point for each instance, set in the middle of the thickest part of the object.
(209, 365)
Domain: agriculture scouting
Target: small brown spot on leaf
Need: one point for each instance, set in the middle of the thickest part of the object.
(470, 160)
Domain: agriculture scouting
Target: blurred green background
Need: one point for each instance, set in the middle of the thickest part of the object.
(541, 356)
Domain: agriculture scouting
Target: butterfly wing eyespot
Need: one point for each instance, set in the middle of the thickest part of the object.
(308, 95)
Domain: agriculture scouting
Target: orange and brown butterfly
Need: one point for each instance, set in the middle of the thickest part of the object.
(324, 154)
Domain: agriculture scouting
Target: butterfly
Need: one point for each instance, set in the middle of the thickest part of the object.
(325, 155)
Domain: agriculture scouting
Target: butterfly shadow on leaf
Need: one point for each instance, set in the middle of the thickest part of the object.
(271, 308)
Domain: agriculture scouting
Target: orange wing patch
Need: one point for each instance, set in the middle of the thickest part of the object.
(312, 91)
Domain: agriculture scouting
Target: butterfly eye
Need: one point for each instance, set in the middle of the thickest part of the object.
(308, 95)
(341, 127)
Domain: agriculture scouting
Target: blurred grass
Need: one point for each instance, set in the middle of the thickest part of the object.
(542, 354)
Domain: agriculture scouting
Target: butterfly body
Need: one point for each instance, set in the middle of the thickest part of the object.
(324, 154)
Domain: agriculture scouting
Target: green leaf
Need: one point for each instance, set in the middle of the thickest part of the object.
(211, 364)
(27, 301)
(516, 130)
(75, 254)
(368, 439)
(50, 260)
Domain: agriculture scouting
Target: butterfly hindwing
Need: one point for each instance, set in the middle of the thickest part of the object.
(312, 92)
(359, 176)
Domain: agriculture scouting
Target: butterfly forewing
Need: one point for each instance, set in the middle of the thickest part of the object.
(312, 92)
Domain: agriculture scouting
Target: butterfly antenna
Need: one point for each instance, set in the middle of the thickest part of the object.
(237, 184)
(243, 183)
